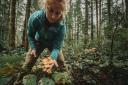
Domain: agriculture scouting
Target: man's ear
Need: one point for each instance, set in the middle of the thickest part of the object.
(41, 3)
(44, 5)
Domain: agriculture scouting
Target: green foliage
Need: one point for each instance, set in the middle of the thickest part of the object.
(4, 79)
(86, 65)
(10, 63)
(120, 41)
(7, 70)
(12, 57)
(29, 80)
(46, 81)
(108, 32)
(35, 4)
(61, 78)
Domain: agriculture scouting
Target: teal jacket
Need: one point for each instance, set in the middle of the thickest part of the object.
(51, 37)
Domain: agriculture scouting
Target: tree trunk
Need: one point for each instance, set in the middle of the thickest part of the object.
(92, 36)
(69, 23)
(4, 22)
(78, 14)
(86, 23)
(109, 11)
(25, 36)
(12, 29)
(97, 19)
(100, 19)
(126, 11)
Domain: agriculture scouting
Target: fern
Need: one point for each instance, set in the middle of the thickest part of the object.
(46, 81)
(29, 80)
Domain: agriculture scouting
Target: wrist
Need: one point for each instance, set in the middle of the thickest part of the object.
(33, 48)
(53, 57)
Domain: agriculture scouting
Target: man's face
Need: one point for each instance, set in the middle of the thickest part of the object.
(53, 13)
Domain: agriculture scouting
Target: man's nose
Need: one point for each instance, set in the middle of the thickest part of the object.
(53, 16)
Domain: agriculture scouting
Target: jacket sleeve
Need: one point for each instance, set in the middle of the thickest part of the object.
(31, 32)
(58, 43)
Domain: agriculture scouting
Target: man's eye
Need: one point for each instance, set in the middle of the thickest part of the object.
(51, 10)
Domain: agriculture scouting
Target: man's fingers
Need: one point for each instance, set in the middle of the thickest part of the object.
(48, 64)
(55, 63)
(50, 68)
(49, 71)
(34, 54)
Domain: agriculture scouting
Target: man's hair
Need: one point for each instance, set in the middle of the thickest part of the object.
(59, 3)
(63, 4)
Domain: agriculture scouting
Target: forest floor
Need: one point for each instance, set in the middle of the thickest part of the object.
(87, 67)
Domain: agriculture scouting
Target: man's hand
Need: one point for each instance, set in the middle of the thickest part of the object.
(53, 63)
(48, 64)
(33, 53)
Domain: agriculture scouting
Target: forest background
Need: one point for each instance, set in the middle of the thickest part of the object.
(96, 41)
